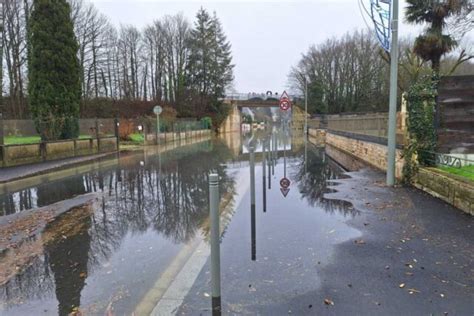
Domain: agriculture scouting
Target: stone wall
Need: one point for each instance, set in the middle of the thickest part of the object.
(451, 189)
(372, 153)
(317, 136)
(15, 155)
(232, 122)
(171, 137)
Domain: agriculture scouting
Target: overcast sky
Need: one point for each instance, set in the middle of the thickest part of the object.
(268, 37)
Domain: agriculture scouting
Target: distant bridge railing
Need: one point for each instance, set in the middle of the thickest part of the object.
(256, 96)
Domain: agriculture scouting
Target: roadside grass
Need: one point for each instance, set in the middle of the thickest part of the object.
(136, 138)
(24, 140)
(466, 171)
(21, 140)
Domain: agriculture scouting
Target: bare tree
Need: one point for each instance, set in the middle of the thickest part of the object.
(14, 51)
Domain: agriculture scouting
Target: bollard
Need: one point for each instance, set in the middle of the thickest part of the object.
(215, 243)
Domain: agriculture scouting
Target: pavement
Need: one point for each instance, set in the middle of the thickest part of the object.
(392, 251)
(24, 171)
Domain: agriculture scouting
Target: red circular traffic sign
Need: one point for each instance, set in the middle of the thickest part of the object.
(285, 104)
(285, 183)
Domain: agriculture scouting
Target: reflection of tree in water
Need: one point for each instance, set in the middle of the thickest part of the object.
(312, 181)
(62, 267)
(49, 193)
(13, 203)
(68, 257)
(135, 198)
(45, 194)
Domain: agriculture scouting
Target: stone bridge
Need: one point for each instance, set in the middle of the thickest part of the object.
(233, 122)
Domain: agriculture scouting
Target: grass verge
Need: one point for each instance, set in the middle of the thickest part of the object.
(466, 171)
(24, 140)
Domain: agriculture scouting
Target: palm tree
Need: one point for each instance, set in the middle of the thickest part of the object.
(433, 44)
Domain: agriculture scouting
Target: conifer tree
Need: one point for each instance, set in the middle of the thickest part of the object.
(54, 72)
(210, 68)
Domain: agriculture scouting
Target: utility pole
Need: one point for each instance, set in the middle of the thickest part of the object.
(392, 118)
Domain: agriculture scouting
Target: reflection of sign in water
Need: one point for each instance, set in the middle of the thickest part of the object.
(285, 183)
(285, 186)
(285, 103)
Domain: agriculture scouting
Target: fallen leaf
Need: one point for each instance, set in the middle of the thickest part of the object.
(411, 291)
(328, 302)
(359, 242)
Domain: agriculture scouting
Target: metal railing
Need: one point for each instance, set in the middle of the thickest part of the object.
(257, 96)
(454, 163)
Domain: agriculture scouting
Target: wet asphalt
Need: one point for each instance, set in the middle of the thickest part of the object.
(391, 251)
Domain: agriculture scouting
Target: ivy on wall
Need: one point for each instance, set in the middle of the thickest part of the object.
(421, 99)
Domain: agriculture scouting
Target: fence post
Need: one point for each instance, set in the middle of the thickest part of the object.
(215, 243)
(97, 134)
(117, 132)
(2, 142)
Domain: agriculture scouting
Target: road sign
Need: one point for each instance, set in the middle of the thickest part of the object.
(157, 110)
(285, 103)
(285, 183)
(284, 191)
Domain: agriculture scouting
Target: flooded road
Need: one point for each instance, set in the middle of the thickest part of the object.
(108, 254)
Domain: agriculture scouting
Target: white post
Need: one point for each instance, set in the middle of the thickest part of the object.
(215, 243)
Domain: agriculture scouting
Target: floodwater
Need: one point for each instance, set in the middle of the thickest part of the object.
(106, 256)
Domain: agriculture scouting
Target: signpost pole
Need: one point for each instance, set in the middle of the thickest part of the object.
(157, 110)
(264, 177)
(157, 129)
(253, 227)
(392, 121)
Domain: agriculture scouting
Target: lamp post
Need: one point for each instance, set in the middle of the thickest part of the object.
(392, 118)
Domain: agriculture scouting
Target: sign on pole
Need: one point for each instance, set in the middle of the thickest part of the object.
(157, 110)
(285, 186)
(285, 103)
